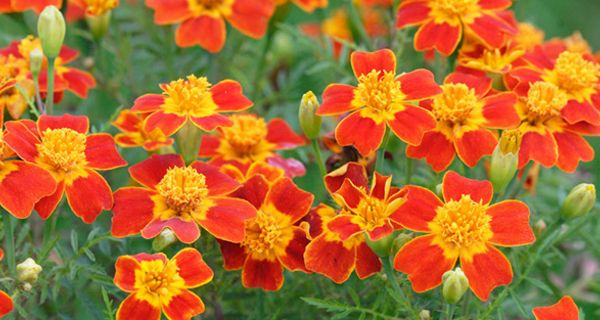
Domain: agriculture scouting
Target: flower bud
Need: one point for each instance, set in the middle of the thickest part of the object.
(439, 190)
(539, 227)
(36, 58)
(51, 31)
(28, 271)
(425, 315)
(27, 286)
(399, 242)
(381, 247)
(505, 159)
(579, 201)
(309, 121)
(98, 24)
(164, 239)
(455, 285)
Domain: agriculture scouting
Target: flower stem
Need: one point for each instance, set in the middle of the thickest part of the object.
(10, 223)
(409, 170)
(50, 87)
(402, 299)
(379, 161)
(450, 311)
(319, 157)
(38, 97)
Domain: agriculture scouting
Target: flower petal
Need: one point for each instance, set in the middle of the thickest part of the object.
(337, 99)
(539, 148)
(364, 62)
(455, 185)
(217, 182)
(264, 274)
(210, 123)
(168, 123)
(46, 206)
(362, 133)
(351, 171)
(80, 124)
(192, 268)
(101, 152)
(251, 17)
(148, 103)
(491, 30)
(564, 309)
(134, 308)
(442, 37)
(89, 195)
(79, 82)
(510, 223)
(330, 258)
(133, 210)
(290, 200)
(183, 306)
(23, 187)
(418, 209)
(418, 85)
(6, 304)
(436, 149)
(169, 11)
(185, 231)
(233, 254)
(499, 111)
(226, 218)
(343, 226)
(571, 149)
(254, 190)
(280, 134)
(474, 145)
(293, 259)
(481, 84)
(125, 269)
(487, 271)
(411, 124)
(367, 262)
(206, 31)
(20, 138)
(150, 171)
(229, 96)
(412, 13)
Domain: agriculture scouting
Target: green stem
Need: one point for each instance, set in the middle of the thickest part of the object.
(358, 26)
(50, 87)
(10, 244)
(409, 170)
(450, 311)
(403, 299)
(379, 161)
(38, 96)
(319, 157)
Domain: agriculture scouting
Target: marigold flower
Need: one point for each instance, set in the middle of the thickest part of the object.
(564, 309)
(134, 135)
(242, 174)
(273, 240)
(62, 146)
(14, 71)
(306, 5)
(203, 21)
(157, 285)
(465, 112)
(528, 36)
(495, 60)
(464, 226)
(251, 139)
(193, 99)
(179, 197)
(6, 304)
(7, 6)
(441, 22)
(77, 9)
(381, 99)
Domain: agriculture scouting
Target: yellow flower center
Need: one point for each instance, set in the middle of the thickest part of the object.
(529, 36)
(453, 11)
(372, 213)
(380, 93)
(100, 7)
(267, 235)
(541, 109)
(510, 141)
(492, 60)
(462, 228)
(245, 134)
(215, 8)
(457, 110)
(184, 190)
(62, 151)
(157, 282)
(575, 75)
(189, 97)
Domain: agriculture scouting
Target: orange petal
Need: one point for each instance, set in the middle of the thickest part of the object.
(169, 11)
(209, 146)
(411, 124)
(367, 262)
(80, 124)
(379, 232)
(280, 134)
(79, 82)
(264, 274)
(133, 210)
(226, 218)
(20, 138)
(293, 259)
(233, 254)
(228, 96)
(125, 269)
(412, 13)
(148, 103)
(135, 309)
(288, 199)
(419, 84)
(343, 226)
(571, 149)
(364, 62)
(254, 191)
(363, 133)
(499, 111)
(349, 195)
(168, 123)
(150, 171)
(217, 182)
(251, 17)
(564, 309)
(491, 30)
(418, 210)
(21, 189)
(185, 231)
(101, 152)
(510, 223)
(455, 185)
(205, 31)
(330, 258)
(442, 37)
(337, 99)
(481, 84)
(46, 206)
(183, 306)
(437, 150)
(539, 148)
(192, 268)
(494, 4)
(487, 271)
(6, 304)
(88, 196)
(575, 112)
(351, 171)
(474, 145)
(424, 262)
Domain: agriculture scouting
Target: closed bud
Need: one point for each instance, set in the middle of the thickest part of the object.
(455, 285)
(36, 58)
(28, 271)
(98, 24)
(310, 122)
(505, 159)
(439, 190)
(27, 286)
(381, 247)
(579, 201)
(425, 315)
(164, 239)
(539, 227)
(51, 31)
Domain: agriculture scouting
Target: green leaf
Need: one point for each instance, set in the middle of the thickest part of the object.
(540, 285)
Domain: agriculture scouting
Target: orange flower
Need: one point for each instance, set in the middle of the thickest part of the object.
(193, 99)
(77, 9)
(463, 226)
(179, 197)
(250, 139)
(61, 145)
(243, 174)
(6, 304)
(442, 21)
(203, 21)
(465, 112)
(134, 135)
(156, 284)
(7, 6)
(14, 71)
(273, 239)
(381, 99)
(66, 78)
(565, 309)
(306, 5)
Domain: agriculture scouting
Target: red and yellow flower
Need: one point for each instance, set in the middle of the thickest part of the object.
(14, 71)
(250, 139)
(564, 309)
(243, 174)
(202, 22)
(464, 226)
(465, 112)
(381, 99)
(273, 240)
(77, 9)
(62, 146)
(306, 5)
(157, 285)
(7, 6)
(134, 135)
(180, 198)
(192, 100)
(442, 23)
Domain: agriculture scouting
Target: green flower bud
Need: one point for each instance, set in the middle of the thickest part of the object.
(579, 201)
(98, 24)
(309, 121)
(439, 190)
(51, 31)
(36, 58)
(505, 159)
(539, 227)
(425, 315)
(164, 239)
(381, 247)
(455, 285)
(28, 271)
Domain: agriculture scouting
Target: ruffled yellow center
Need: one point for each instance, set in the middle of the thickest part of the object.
(157, 283)
(575, 75)
(541, 109)
(268, 235)
(62, 152)
(493, 60)
(184, 190)
(189, 97)
(371, 213)
(245, 140)
(453, 11)
(381, 95)
(100, 7)
(457, 110)
(215, 8)
(510, 141)
(528, 36)
(462, 228)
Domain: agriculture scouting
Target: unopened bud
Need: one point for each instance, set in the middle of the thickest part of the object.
(505, 159)
(28, 271)
(27, 286)
(425, 315)
(164, 239)
(309, 121)
(455, 285)
(579, 201)
(539, 227)
(381, 247)
(439, 190)
(51, 31)
(98, 24)
(36, 58)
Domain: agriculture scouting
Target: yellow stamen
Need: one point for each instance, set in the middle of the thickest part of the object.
(453, 11)
(380, 93)
(214, 8)
(268, 235)
(458, 110)
(100, 7)
(184, 191)
(529, 36)
(541, 110)
(190, 97)
(245, 140)
(575, 75)
(510, 141)
(62, 152)
(157, 283)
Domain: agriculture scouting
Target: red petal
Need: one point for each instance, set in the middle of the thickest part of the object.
(205, 31)
(436, 149)
(351, 171)
(418, 210)
(22, 188)
(343, 226)
(442, 37)
(330, 258)
(291, 167)
(290, 200)
(185, 231)
(564, 309)
(381, 231)
(254, 191)
(293, 259)
(495, 4)
(575, 112)
(183, 306)
(234, 255)
(251, 17)
(481, 85)
(380, 187)
(412, 13)
(474, 145)
(365, 62)
(125, 269)
(571, 149)
(539, 148)
(510, 223)
(499, 111)
(133, 210)
(168, 123)
(210, 123)
(424, 262)
(455, 185)
(367, 262)
(419, 84)
(88, 196)
(133, 308)
(6, 304)
(229, 96)
(79, 82)
(363, 133)
(192, 268)
(21, 139)
(487, 271)
(411, 124)
(491, 30)
(148, 103)
(169, 11)
(47, 205)
(217, 182)
(150, 171)
(226, 218)
(337, 99)
(101, 152)
(80, 124)
(264, 274)
(349, 195)
(209, 146)
(280, 133)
